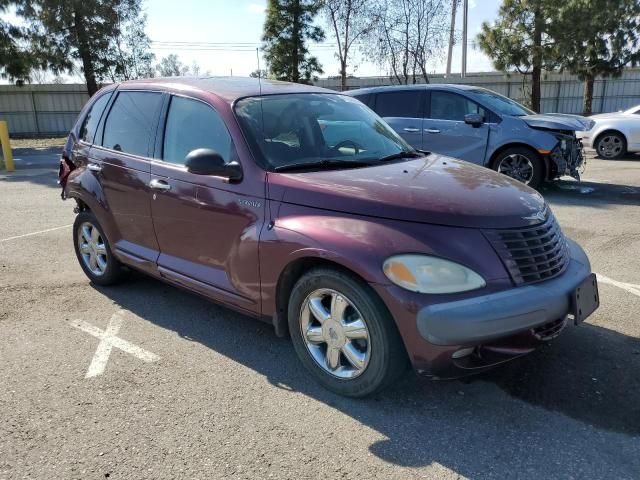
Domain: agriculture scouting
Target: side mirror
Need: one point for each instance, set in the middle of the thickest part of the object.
(205, 161)
(474, 119)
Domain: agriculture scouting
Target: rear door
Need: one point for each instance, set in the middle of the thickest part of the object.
(403, 111)
(207, 228)
(120, 159)
(446, 132)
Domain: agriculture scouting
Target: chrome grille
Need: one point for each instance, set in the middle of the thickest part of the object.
(531, 254)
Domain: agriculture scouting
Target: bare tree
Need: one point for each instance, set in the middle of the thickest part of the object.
(350, 21)
(411, 33)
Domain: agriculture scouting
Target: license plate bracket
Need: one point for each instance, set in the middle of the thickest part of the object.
(585, 299)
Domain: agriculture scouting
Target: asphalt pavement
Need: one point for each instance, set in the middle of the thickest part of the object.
(144, 380)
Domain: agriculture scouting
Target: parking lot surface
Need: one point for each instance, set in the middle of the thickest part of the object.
(144, 380)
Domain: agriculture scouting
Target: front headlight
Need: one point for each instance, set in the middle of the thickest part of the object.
(425, 274)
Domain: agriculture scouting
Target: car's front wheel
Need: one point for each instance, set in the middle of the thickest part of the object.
(94, 253)
(522, 164)
(343, 333)
(611, 145)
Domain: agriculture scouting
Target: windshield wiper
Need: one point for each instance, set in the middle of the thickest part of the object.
(403, 154)
(326, 163)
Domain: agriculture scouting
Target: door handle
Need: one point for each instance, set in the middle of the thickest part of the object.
(411, 130)
(432, 130)
(94, 167)
(159, 185)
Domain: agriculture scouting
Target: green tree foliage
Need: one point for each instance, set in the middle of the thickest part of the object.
(172, 66)
(16, 59)
(597, 38)
(287, 28)
(130, 55)
(520, 38)
(66, 32)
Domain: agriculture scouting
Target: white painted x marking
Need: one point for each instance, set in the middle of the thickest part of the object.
(109, 339)
(629, 287)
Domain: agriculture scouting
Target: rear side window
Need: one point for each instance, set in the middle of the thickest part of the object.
(399, 104)
(192, 124)
(451, 106)
(365, 98)
(90, 122)
(131, 122)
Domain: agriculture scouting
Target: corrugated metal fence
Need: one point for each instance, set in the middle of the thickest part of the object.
(42, 110)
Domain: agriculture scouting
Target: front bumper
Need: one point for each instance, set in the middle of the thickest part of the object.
(585, 138)
(487, 318)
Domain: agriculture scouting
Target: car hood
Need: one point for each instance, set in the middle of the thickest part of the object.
(557, 121)
(609, 115)
(434, 189)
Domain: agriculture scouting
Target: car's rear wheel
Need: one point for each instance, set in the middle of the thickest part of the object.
(94, 253)
(343, 333)
(611, 145)
(522, 164)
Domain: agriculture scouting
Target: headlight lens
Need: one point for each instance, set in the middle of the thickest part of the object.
(425, 274)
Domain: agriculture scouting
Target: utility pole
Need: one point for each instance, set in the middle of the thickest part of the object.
(452, 36)
(465, 14)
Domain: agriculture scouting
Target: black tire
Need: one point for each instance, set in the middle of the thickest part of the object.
(387, 360)
(114, 272)
(533, 157)
(611, 145)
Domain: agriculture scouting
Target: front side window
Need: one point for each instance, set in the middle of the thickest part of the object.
(131, 122)
(90, 122)
(451, 106)
(499, 103)
(192, 124)
(304, 128)
(403, 104)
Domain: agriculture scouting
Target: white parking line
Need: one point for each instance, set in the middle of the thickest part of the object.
(108, 340)
(629, 287)
(35, 233)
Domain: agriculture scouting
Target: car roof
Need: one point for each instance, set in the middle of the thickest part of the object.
(418, 86)
(228, 88)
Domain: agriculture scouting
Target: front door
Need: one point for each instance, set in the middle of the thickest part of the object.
(207, 228)
(402, 110)
(121, 161)
(446, 132)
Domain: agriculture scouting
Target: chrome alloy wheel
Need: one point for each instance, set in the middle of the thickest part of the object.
(335, 333)
(92, 248)
(517, 166)
(610, 146)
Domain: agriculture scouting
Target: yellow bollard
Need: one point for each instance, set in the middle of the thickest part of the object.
(6, 146)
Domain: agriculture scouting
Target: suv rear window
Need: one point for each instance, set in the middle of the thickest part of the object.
(399, 104)
(90, 122)
(131, 122)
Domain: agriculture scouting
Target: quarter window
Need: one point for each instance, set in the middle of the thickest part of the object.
(131, 122)
(90, 122)
(192, 124)
(451, 106)
(399, 104)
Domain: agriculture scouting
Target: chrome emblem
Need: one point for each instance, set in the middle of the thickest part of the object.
(541, 216)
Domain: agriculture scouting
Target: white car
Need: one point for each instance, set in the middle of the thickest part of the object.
(614, 134)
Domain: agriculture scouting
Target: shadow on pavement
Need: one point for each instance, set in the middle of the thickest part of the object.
(589, 374)
(34, 165)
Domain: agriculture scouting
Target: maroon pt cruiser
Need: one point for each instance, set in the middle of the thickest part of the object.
(301, 207)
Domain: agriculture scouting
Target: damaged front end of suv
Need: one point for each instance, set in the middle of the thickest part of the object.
(567, 156)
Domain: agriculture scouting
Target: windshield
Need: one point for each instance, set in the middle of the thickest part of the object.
(500, 104)
(312, 128)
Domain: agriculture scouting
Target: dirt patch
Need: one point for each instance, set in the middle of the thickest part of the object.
(38, 142)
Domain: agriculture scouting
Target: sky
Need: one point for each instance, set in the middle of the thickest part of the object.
(181, 27)
(241, 21)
